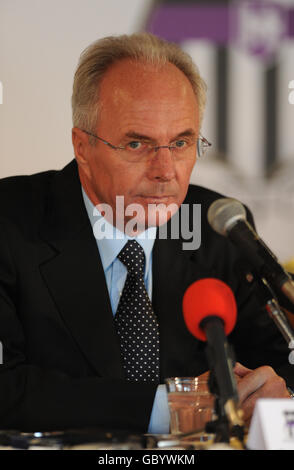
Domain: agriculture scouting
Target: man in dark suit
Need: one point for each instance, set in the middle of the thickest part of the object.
(141, 101)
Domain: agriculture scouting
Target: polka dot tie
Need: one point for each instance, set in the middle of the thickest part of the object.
(135, 321)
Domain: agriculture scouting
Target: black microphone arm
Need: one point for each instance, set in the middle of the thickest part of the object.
(220, 358)
(228, 217)
(221, 362)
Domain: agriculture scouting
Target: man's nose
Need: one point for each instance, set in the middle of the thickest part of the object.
(162, 165)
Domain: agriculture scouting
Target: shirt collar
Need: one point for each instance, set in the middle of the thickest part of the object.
(109, 248)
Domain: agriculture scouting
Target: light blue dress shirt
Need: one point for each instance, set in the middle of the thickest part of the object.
(110, 242)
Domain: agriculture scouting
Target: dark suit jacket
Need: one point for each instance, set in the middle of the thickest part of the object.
(62, 365)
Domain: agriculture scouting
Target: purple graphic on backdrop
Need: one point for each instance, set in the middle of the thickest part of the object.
(256, 26)
(177, 23)
(261, 27)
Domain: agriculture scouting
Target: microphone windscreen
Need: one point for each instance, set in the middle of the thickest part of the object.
(224, 213)
(205, 298)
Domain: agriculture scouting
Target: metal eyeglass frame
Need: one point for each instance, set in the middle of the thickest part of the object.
(201, 141)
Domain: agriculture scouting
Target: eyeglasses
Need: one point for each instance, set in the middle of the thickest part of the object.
(138, 150)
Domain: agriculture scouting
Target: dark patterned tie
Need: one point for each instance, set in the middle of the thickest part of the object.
(135, 321)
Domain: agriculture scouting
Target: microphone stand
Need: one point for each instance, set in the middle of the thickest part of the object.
(220, 426)
(277, 314)
(275, 311)
(229, 422)
(265, 293)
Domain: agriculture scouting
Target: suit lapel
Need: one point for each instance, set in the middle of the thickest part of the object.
(74, 275)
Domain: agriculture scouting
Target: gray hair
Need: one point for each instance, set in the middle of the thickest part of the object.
(142, 47)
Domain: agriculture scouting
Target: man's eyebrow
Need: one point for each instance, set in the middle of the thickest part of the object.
(187, 133)
(136, 135)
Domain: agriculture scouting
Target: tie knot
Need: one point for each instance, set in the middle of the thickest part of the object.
(133, 257)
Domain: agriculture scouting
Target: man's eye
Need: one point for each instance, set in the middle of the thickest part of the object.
(180, 143)
(134, 145)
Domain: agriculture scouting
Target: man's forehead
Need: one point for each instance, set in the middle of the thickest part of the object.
(157, 102)
(129, 79)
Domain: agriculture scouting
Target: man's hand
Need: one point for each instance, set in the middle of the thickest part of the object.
(262, 382)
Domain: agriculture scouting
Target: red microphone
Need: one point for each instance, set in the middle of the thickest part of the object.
(206, 298)
(210, 312)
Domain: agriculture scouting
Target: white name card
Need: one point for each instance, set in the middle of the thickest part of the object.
(272, 425)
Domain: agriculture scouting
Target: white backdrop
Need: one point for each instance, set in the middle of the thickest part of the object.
(40, 43)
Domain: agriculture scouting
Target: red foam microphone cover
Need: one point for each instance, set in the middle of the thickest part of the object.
(209, 297)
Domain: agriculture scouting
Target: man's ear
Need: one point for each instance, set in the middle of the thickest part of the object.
(80, 141)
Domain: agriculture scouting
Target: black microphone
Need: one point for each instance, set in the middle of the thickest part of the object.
(210, 313)
(227, 217)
